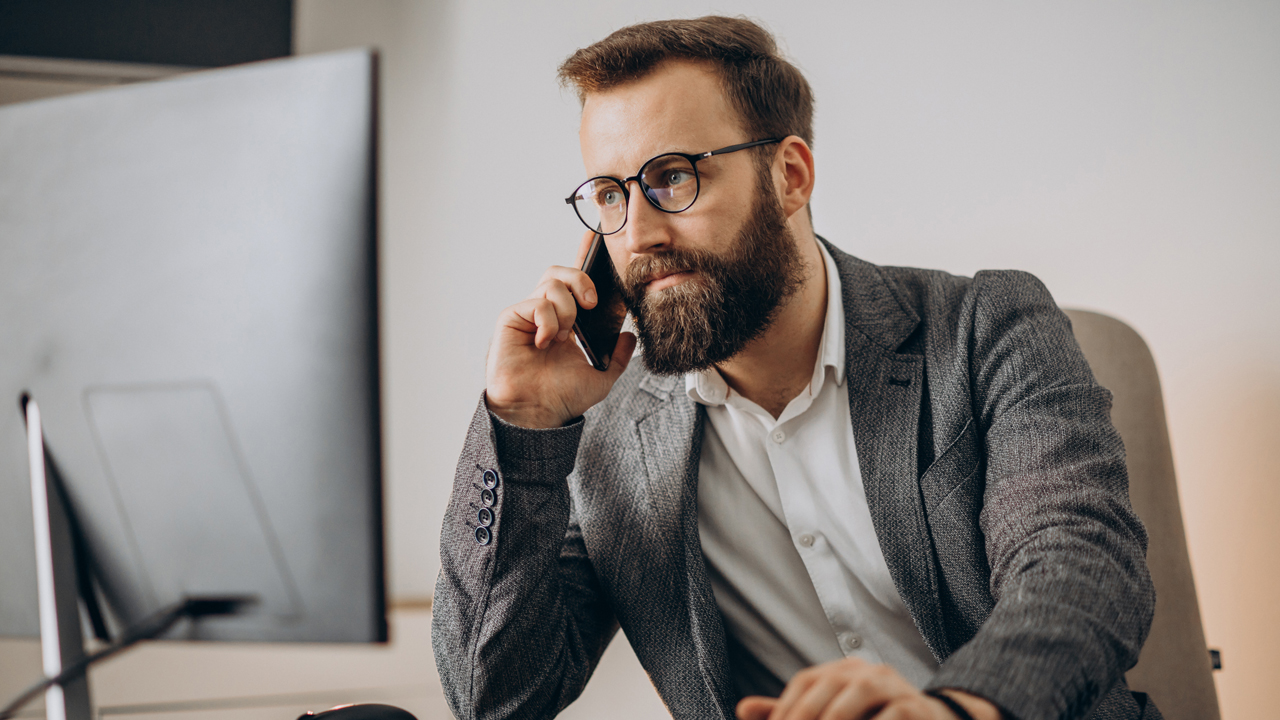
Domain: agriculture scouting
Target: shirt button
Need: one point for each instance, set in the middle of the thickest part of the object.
(806, 540)
(779, 436)
(849, 641)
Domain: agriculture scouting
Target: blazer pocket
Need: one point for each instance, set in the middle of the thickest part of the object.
(956, 464)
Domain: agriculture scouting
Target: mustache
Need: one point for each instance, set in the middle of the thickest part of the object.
(646, 267)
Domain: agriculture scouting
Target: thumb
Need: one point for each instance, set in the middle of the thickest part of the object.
(756, 707)
(622, 355)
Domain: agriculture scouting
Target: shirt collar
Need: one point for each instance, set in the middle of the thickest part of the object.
(709, 388)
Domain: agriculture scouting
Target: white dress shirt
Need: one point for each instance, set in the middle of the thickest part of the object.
(794, 560)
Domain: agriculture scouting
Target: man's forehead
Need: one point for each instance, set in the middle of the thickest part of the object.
(679, 106)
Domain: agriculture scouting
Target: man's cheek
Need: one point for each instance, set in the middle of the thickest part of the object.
(619, 256)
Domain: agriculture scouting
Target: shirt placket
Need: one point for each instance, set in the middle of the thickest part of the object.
(799, 498)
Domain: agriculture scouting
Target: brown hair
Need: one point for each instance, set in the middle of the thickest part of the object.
(769, 93)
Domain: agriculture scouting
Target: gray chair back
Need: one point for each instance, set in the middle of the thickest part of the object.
(1174, 668)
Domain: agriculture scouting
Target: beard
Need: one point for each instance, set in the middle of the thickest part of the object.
(730, 299)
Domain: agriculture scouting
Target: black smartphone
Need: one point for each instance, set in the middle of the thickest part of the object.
(598, 328)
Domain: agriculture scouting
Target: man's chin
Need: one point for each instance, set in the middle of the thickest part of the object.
(664, 366)
(666, 358)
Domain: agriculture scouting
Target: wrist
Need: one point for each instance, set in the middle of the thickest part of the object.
(526, 415)
(978, 708)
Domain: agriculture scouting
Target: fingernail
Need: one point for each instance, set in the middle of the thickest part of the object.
(589, 296)
(564, 335)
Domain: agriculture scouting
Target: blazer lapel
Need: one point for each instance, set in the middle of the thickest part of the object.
(671, 445)
(884, 404)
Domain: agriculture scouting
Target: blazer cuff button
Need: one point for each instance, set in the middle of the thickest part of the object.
(490, 479)
(483, 536)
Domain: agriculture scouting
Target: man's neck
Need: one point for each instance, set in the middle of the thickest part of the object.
(775, 367)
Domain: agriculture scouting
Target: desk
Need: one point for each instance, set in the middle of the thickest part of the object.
(246, 681)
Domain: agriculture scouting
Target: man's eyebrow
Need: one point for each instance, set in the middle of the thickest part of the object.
(636, 169)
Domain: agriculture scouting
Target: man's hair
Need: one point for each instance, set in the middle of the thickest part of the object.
(771, 96)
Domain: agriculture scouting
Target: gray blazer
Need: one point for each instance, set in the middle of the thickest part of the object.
(996, 482)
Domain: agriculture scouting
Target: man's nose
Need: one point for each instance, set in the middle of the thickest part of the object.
(648, 229)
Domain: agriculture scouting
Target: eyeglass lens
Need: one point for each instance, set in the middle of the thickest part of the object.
(669, 181)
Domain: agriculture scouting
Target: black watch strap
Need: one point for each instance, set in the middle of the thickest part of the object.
(952, 705)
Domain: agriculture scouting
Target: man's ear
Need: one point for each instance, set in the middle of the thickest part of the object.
(793, 174)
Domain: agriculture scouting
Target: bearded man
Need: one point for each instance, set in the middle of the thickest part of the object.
(830, 490)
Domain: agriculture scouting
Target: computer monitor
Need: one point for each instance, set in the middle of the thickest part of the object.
(188, 291)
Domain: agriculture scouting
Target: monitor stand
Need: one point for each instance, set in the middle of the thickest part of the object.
(61, 642)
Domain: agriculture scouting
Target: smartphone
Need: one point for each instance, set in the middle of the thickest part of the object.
(597, 329)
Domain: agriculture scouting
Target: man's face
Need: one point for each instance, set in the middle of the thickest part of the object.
(703, 283)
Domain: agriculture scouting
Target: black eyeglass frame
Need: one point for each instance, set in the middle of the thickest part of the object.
(645, 187)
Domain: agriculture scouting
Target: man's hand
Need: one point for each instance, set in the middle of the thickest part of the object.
(853, 689)
(536, 376)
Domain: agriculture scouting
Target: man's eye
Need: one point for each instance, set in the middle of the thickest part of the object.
(610, 197)
(676, 177)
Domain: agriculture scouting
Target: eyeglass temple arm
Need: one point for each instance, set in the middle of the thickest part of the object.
(741, 146)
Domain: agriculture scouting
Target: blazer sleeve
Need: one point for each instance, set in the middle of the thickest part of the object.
(1073, 596)
(518, 621)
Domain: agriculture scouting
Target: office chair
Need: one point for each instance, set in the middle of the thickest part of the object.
(1174, 668)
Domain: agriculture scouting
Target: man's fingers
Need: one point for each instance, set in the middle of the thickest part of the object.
(814, 701)
(858, 699)
(578, 283)
(536, 316)
(566, 309)
(799, 685)
(545, 317)
(622, 354)
(755, 707)
(914, 708)
(848, 689)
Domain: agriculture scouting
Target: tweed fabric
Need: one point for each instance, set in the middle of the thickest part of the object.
(997, 489)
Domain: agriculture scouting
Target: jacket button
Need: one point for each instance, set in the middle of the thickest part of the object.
(483, 536)
(490, 479)
(487, 497)
(485, 517)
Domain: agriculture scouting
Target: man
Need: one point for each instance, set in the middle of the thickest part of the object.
(832, 490)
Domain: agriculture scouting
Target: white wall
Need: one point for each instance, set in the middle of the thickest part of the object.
(1128, 154)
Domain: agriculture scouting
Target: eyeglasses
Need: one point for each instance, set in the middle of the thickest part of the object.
(670, 183)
